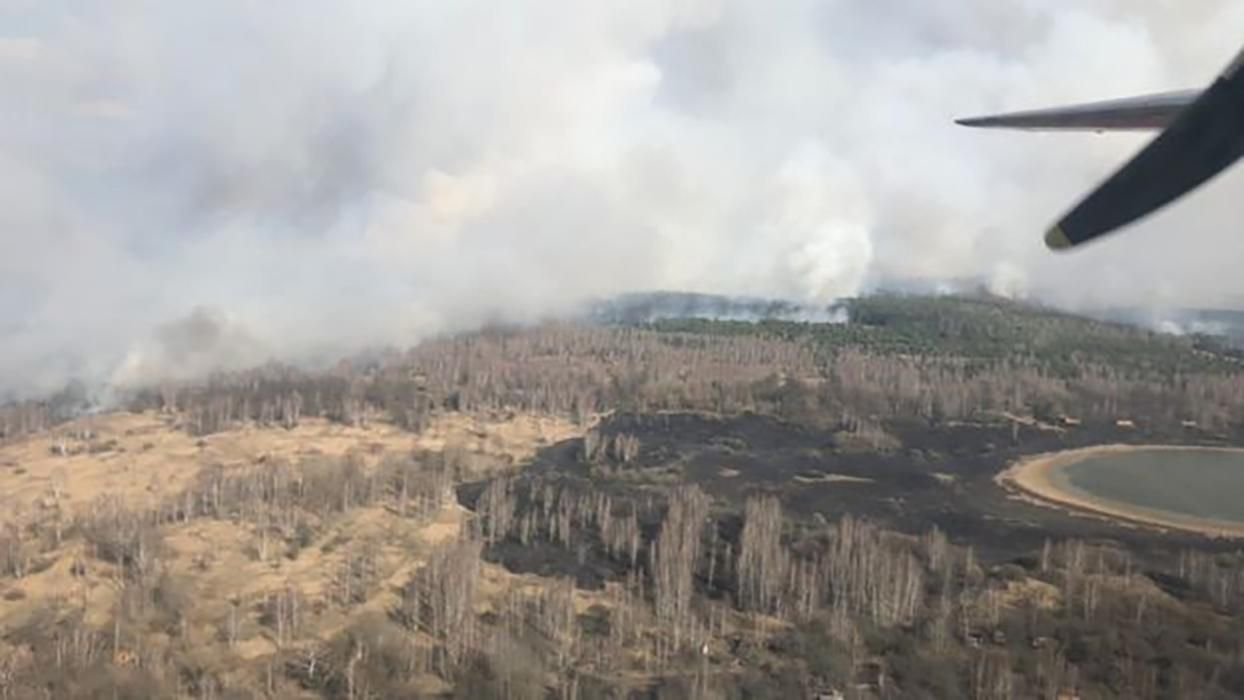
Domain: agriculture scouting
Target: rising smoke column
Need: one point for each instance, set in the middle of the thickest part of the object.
(336, 177)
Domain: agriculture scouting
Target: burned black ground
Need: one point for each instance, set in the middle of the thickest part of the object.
(939, 476)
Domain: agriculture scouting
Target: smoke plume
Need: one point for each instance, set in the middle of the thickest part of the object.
(328, 176)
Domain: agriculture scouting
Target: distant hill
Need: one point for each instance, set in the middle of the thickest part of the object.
(980, 326)
(648, 307)
(1226, 323)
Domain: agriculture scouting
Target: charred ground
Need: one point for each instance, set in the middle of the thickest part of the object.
(660, 509)
(939, 476)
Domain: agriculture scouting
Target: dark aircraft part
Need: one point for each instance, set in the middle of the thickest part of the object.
(1205, 138)
(1139, 113)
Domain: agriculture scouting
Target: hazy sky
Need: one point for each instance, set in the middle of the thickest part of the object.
(186, 184)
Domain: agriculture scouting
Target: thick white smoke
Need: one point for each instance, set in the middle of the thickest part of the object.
(327, 176)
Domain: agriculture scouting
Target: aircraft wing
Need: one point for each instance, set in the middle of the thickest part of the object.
(1131, 113)
(1203, 135)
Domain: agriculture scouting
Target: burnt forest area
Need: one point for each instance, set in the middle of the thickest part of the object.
(730, 509)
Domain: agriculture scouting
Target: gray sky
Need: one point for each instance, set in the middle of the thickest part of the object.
(189, 185)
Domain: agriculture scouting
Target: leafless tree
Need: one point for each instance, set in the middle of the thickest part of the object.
(674, 557)
(284, 612)
(763, 560)
(992, 678)
(496, 510)
(440, 600)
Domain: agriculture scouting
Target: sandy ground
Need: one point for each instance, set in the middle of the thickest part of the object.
(143, 459)
(1032, 480)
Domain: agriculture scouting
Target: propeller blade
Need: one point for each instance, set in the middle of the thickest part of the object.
(1204, 138)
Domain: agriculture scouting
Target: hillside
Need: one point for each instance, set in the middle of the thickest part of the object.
(682, 508)
(989, 329)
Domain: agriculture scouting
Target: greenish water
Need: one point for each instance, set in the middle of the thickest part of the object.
(1199, 483)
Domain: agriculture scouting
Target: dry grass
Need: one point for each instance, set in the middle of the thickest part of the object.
(216, 562)
(1040, 594)
(513, 437)
(143, 459)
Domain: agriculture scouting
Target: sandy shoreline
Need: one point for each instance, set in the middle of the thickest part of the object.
(1034, 479)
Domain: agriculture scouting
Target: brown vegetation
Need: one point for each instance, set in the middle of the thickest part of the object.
(279, 533)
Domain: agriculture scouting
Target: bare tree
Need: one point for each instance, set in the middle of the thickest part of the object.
(496, 510)
(992, 678)
(440, 600)
(674, 557)
(763, 560)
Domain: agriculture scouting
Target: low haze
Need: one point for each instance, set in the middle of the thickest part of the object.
(195, 186)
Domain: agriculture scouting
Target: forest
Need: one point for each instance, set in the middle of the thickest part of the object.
(727, 509)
